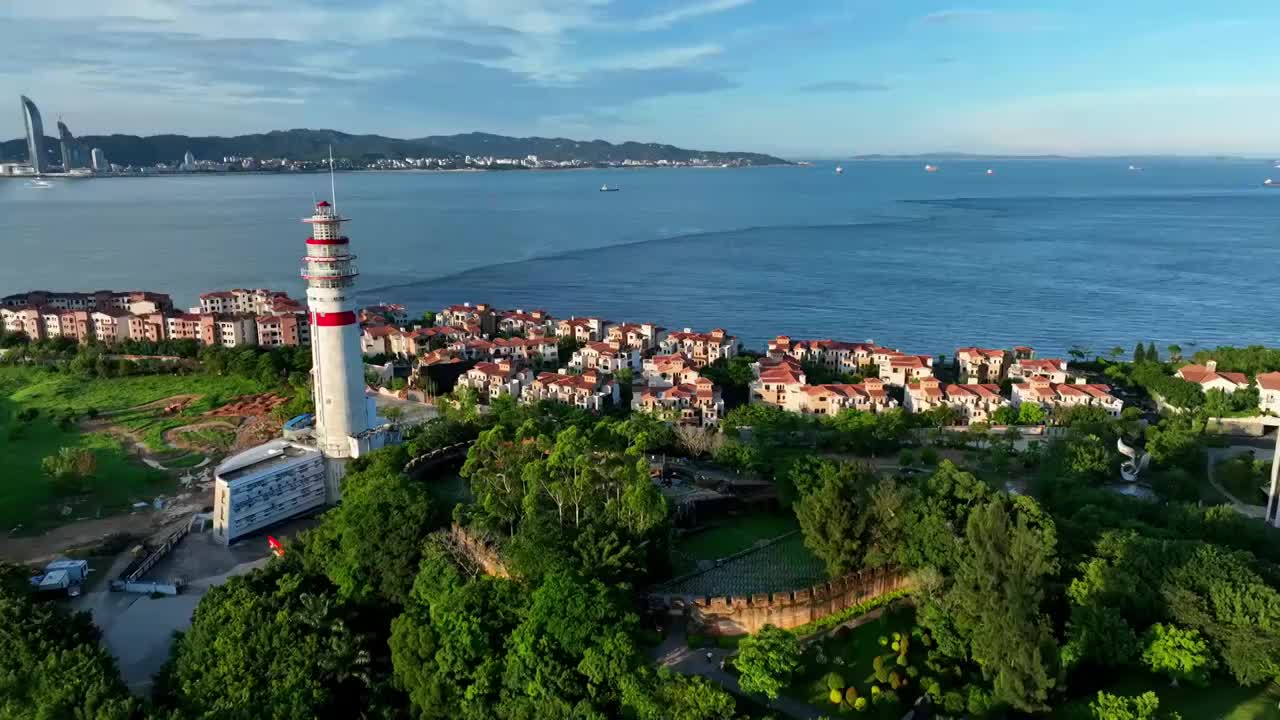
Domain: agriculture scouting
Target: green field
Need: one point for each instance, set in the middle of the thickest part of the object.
(1220, 701)
(734, 535)
(26, 496)
(851, 656)
(784, 565)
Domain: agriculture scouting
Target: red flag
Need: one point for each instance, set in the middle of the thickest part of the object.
(275, 546)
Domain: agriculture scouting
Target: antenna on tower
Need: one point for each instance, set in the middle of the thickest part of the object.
(333, 184)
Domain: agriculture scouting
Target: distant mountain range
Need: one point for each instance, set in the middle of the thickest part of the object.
(314, 145)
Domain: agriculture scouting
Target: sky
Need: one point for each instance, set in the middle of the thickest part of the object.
(799, 78)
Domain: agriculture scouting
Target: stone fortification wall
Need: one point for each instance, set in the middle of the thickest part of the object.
(744, 615)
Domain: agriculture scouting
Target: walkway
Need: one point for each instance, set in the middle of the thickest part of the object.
(675, 653)
(1216, 454)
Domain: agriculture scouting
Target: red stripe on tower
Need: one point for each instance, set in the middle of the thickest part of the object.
(339, 241)
(333, 319)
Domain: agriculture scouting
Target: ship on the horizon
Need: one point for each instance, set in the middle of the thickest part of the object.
(990, 171)
(1270, 183)
(839, 170)
(1134, 168)
(606, 188)
(931, 168)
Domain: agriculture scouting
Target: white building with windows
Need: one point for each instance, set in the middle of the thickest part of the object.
(265, 485)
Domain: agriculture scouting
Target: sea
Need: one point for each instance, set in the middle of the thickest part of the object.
(1047, 253)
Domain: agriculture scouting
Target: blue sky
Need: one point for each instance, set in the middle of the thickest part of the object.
(802, 78)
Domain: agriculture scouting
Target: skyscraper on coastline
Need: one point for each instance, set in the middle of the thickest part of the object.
(35, 135)
(70, 149)
(99, 159)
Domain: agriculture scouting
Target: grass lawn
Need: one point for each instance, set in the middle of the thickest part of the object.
(733, 535)
(851, 656)
(1220, 701)
(216, 438)
(1244, 477)
(26, 497)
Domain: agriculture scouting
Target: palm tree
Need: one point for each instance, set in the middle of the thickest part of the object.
(1175, 352)
(1116, 352)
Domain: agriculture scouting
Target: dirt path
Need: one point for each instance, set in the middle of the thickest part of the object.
(173, 437)
(180, 401)
(44, 547)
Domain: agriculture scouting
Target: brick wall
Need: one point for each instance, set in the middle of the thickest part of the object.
(743, 615)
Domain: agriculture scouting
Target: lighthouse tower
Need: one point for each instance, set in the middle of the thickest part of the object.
(347, 424)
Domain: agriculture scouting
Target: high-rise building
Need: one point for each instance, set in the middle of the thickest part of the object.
(70, 155)
(188, 161)
(100, 161)
(35, 135)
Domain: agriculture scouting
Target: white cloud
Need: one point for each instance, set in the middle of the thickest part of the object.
(688, 12)
(659, 58)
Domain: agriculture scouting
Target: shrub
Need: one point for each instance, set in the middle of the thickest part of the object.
(902, 661)
(953, 702)
(895, 645)
(929, 456)
(877, 663)
(884, 641)
(851, 696)
(836, 697)
(895, 680)
(834, 681)
(860, 704)
(92, 412)
(889, 697)
(897, 636)
(912, 671)
(903, 645)
(906, 457)
(882, 675)
(875, 690)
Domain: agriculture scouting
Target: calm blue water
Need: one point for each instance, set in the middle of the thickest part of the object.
(1046, 253)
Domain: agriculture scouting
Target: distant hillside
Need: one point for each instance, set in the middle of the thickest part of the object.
(314, 145)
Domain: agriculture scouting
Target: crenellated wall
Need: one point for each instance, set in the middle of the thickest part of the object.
(477, 551)
(743, 615)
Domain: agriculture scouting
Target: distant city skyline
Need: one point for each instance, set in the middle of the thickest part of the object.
(811, 78)
(34, 128)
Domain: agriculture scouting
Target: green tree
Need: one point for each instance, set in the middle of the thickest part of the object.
(1030, 413)
(1175, 352)
(831, 517)
(1088, 457)
(996, 600)
(1116, 353)
(1098, 636)
(1139, 354)
(52, 665)
(1117, 707)
(370, 544)
(1152, 355)
(276, 643)
(767, 660)
(1004, 415)
(1179, 653)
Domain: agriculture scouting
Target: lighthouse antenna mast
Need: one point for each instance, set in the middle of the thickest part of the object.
(333, 185)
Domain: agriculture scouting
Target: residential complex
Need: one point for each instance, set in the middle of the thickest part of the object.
(1053, 395)
(973, 402)
(781, 382)
(888, 364)
(702, 348)
(589, 391)
(231, 318)
(1208, 377)
(697, 403)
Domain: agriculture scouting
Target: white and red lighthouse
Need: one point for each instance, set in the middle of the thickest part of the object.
(347, 424)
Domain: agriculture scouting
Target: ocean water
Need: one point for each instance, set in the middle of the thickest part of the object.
(1045, 253)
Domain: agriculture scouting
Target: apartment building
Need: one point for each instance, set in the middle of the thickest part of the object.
(667, 370)
(775, 377)
(495, 379)
(289, 330)
(1050, 395)
(230, 331)
(184, 326)
(528, 351)
(244, 302)
(583, 329)
(479, 319)
(702, 348)
(982, 365)
(76, 325)
(384, 313)
(973, 402)
(641, 337)
(605, 357)
(834, 355)
(149, 327)
(1269, 392)
(110, 326)
(524, 324)
(899, 369)
(1054, 369)
(697, 403)
(377, 339)
(1209, 378)
(589, 391)
(144, 301)
(781, 382)
(24, 320)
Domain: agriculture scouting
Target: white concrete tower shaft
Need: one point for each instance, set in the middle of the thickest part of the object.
(337, 364)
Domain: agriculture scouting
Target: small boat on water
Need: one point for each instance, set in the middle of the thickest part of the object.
(931, 168)
(1134, 168)
(990, 171)
(839, 170)
(606, 188)
(1271, 183)
(39, 184)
